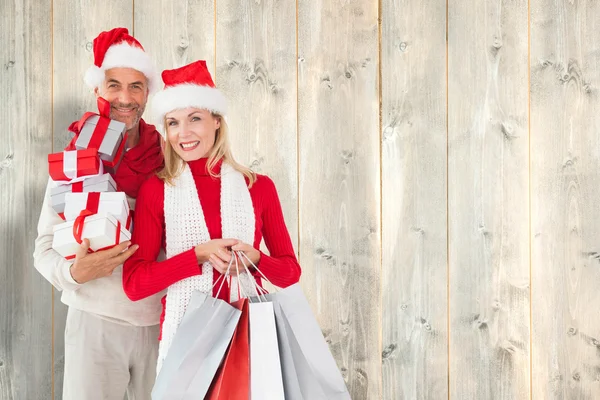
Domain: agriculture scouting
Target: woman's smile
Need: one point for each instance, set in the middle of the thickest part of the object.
(188, 146)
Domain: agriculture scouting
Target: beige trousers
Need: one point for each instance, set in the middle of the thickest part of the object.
(106, 360)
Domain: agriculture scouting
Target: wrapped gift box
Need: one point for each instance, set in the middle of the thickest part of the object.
(100, 229)
(114, 204)
(106, 135)
(101, 183)
(69, 165)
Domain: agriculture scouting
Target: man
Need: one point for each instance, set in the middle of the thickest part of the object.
(111, 343)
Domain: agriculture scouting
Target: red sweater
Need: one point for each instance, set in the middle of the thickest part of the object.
(143, 276)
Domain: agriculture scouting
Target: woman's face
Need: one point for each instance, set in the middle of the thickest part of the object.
(192, 132)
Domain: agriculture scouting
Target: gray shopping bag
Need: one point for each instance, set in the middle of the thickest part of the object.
(302, 347)
(186, 335)
(197, 350)
(308, 348)
(299, 383)
(299, 379)
(202, 362)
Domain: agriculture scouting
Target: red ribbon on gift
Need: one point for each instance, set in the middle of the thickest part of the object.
(77, 187)
(100, 130)
(85, 162)
(117, 157)
(91, 208)
(129, 220)
(101, 126)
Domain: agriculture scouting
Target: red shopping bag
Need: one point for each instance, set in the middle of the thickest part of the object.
(232, 380)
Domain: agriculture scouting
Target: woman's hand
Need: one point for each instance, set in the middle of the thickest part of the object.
(249, 251)
(205, 251)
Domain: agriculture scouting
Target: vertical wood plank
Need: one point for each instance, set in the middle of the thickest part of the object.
(339, 180)
(565, 186)
(256, 70)
(414, 252)
(26, 115)
(488, 200)
(76, 23)
(176, 33)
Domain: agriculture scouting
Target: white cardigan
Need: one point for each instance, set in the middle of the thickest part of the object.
(103, 297)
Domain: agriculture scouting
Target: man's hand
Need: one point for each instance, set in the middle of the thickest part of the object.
(88, 267)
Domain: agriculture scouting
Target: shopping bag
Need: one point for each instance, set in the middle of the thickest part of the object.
(299, 383)
(197, 350)
(186, 335)
(265, 367)
(312, 358)
(307, 364)
(232, 381)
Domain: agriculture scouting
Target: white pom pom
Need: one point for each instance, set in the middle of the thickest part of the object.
(94, 77)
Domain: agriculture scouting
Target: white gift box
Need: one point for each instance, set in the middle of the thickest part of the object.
(102, 183)
(114, 204)
(100, 229)
(110, 150)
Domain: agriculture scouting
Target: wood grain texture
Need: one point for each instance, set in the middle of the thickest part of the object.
(175, 33)
(339, 180)
(256, 70)
(26, 114)
(488, 223)
(76, 23)
(414, 241)
(565, 186)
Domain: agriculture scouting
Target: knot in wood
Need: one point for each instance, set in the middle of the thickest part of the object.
(497, 43)
(389, 350)
(184, 43)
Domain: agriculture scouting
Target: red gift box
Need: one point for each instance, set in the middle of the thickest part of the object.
(68, 165)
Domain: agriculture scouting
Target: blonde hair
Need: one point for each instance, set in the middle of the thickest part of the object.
(221, 150)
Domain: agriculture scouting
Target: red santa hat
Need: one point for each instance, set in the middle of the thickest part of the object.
(187, 86)
(117, 49)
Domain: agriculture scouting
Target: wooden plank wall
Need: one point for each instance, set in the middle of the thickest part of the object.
(437, 163)
(73, 32)
(414, 253)
(488, 210)
(565, 186)
(339, 173)
(26, 115)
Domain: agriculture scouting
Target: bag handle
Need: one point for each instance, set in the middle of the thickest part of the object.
(243, 255)
(256, 286)
(226, 275)
(258, 290)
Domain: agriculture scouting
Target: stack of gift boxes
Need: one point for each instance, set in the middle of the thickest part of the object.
(85, 194)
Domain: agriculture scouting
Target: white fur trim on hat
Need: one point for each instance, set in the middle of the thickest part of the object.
(124, 55)
(184, 96)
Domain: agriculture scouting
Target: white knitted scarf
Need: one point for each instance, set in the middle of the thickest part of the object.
(186, 228)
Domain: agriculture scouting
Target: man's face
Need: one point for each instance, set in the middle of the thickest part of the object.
(126, 90)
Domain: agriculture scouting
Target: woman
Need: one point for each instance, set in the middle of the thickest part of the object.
(201, 206)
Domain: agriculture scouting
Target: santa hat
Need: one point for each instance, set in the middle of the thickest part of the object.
(117, 49)
(187, 86)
